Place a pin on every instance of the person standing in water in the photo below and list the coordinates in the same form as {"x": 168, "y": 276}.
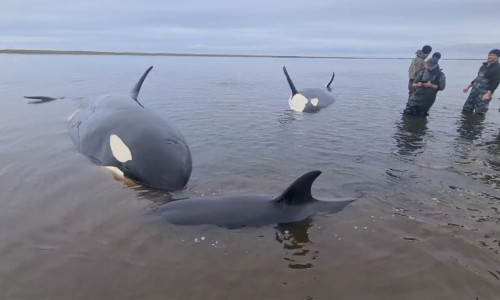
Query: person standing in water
{"x": 417, "y": 65}
{"x": 426, "y": 85}
{"x": 484, "y": 85}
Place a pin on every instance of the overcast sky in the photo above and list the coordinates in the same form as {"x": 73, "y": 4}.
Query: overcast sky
{"x": 456, "y": 28}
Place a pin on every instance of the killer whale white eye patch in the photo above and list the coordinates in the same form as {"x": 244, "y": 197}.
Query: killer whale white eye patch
{"x": 120, "y": 151}
{"x": 298, "y": 102}
{"x": 314, "y": 101}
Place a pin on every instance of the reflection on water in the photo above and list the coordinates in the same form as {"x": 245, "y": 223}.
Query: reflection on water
{"x": 470, "y": 126}
{"x": 493, "y": 162}
{"x": 295, "y": 240}
{"x": 494, "y": 145}
{"x": 410, "y": 134}
{"x": 289, "y": 116}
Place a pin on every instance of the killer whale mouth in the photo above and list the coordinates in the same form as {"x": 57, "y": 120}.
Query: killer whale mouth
{"x": 174, "y": 181}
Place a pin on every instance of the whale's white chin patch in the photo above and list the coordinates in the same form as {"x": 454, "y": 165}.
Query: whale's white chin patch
{"x": 120, "y": 151}
{"x": 298, "y": 102}
{"x": 314, "y": 101}
{"x": 118, "y": 175}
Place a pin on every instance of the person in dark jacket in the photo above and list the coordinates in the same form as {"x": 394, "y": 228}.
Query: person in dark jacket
{"x": 426, "y": 85}
{"x": 484, "y": 85}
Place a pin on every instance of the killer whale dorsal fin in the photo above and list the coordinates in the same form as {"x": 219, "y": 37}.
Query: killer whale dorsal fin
{"x": 138, "y": 85}
{"x": 330, "y": 82}
{"x": 290, "y": 82}
{"x": 299, "y": 192}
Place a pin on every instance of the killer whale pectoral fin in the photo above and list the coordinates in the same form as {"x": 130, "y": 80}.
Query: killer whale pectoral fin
{"x": 330, "y": 82}
{"x": 41, "y": 99}
{"x": 299, "y": 192}
{"x": 290, "y": 82}
{"x": 135, "y": 91}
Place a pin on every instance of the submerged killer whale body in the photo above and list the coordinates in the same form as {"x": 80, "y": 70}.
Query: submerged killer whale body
{"x": 309, "y": 100}
{"x": 119, "y": 133}
{"x": 294, "y": 204}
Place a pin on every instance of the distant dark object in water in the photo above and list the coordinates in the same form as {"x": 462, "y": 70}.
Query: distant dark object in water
{"x": 309, "y": 100}
{"x": 294, "y": 204}
{"x": 119, "y": 133}
{"x": 41, "y": 99}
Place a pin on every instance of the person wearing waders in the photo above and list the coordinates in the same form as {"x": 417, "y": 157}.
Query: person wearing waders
{"x": 484, "y": 85}
{"x": 417, "y": 65}
{"x": 426, "y": 86}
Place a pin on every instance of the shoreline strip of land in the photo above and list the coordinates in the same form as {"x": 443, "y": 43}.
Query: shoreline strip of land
{"x": 82, "y": 52}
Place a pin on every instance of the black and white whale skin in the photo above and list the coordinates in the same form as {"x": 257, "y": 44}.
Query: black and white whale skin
{"x": 309, "y": 100}
{"x": 117, "y": 132}
{"x": 293, "y": 205}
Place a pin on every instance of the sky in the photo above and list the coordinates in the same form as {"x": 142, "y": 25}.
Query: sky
{"x": 387, "y": 28}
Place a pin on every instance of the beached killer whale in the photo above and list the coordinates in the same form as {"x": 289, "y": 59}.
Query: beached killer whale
{"x": 119, "y": 133}
{"x": 309, "y": 100}
{"x": 295, "y": 204}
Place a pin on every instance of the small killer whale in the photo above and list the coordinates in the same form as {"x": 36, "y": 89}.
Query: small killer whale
{"x": 117, "y": 132}
{"x": 309, "y": 100}
{"x": 293, "y": 205}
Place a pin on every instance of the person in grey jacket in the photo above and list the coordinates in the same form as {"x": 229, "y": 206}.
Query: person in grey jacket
{"x": 426, "y": 86}
{"x": 417, "y": 65}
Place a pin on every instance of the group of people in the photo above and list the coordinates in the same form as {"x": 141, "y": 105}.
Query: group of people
{"x": 426, "y": 78}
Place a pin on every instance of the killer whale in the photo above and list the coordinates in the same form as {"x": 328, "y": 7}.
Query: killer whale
{"x": 293, "y": 205}
{"x": 309, "y": 100}
{"x": 118, "y": 132}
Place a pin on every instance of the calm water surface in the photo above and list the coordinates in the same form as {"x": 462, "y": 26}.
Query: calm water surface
{"x": 426, "y": 226}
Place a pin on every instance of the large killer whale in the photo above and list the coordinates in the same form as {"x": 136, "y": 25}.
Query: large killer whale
{"x": 309, "y": 100}
{"x": 118, "y": 132}
{"x": 293, "y": 205}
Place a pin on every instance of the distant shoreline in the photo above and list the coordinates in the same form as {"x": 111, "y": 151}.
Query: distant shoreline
{"x": 60, "y": 52}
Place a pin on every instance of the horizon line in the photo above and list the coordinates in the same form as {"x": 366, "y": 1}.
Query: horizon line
{"x": 132, "y": 53}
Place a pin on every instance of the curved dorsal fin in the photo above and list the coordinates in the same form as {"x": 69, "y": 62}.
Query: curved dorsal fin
{"x": 328, "y": 85}
{"x": 294, "y": 90}
{"x": 137, "y": 87}
{"x": 299, "y": 192}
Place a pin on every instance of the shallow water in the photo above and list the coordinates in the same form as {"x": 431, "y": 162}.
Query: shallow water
{"x": 426, "y": 226}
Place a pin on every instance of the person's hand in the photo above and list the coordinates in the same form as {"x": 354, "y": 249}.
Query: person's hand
{"x": 466, "y": 90}
{"x": 430, "y": 85}
{"x": 487, "y": 96}
{"x": 418, "y": 84}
